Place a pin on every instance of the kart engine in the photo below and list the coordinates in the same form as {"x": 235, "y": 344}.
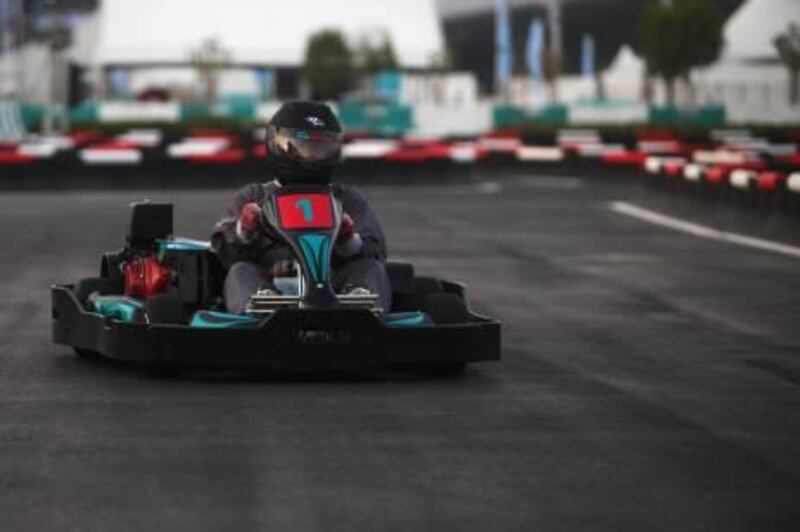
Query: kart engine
{"x": 145, "y": 276}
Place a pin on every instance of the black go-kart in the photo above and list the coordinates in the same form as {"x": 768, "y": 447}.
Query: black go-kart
{"x": 158, "y": 302}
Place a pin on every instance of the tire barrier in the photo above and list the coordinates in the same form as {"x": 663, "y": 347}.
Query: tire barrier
{"x": 745, "y": 165}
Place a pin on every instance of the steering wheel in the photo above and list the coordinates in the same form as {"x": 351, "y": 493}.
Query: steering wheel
{"x": 307, "y": 218}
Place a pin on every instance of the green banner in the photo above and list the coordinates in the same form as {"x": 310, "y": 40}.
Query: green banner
{"x": 382, "y": 118}
{"x": 508, "y": 116}
{"x": 709, "y": 116}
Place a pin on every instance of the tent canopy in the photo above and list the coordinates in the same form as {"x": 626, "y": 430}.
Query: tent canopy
{"x": 751, "y": 29}
{"x": 626, "y": 65}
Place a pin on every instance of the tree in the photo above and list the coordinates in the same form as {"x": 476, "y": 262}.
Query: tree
{"x": 679, "y": 36}
{"x": 375, "y": 53}
{"x": 328, "y": 66}
{"x": 788, "y": 45}
{"x": 208, "y": 59}
{"x": 551, "y": 70}
{"x": 441, "y": 61}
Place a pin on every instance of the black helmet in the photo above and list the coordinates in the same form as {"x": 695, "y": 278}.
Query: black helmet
{"x": 304, "y": 140}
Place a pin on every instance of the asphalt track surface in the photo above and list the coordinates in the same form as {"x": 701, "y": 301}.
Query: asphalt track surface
{"x": 650, "y": 381}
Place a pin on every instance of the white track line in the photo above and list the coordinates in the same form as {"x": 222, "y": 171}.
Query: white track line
{"x": 702, "y": 231}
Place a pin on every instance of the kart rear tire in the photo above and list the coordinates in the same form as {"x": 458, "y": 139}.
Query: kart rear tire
{"x": 447, "y": 370}
{"x": 87, "y": 354}
{"x": 165, "y": 309}
{"x": 443, "y": 370}
{"x": 102, "y": 285}
{"x": 446, "y": 309}
{"x": 164, "y": 371}
{"x": 425, "y": 286}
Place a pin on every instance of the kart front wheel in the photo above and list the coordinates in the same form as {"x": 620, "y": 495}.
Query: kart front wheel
{"x": 441, "y": 370}
{"x": 164, "y": 371}
{"x": 87, "y": 354}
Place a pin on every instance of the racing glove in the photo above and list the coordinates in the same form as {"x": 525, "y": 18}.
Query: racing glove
{"x": 249, "y": 222}
{"x": 348, "y": 241}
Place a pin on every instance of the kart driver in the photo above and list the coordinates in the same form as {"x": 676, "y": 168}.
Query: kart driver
{"x": 304, "y": 141}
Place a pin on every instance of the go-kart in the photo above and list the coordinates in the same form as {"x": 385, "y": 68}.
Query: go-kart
{"x": 158, "y": 301}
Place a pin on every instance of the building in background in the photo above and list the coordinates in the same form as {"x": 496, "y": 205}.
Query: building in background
{"x": 42, "y": 16}
{"x": 34, "y": 59}
{"x": 469, "y": 25}
{"x": 107, "y": 54}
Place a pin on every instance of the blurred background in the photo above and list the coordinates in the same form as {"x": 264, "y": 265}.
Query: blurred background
{"x": 616, "y": 181}
{"x": 118, "y": 75}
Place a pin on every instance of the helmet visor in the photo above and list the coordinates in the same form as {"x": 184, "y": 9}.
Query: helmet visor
{"x": 308, "y": 145}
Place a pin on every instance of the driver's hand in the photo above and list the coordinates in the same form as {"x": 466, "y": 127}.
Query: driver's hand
{"x": 346, "y": 229}
{"x": 348, "y": 242}
{"x": 249, "y": 222}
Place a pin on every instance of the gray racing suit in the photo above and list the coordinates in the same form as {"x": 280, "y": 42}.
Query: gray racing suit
{"x": 248, "y": 262}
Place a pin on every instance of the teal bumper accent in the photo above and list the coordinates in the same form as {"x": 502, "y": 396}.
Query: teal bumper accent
{"x": 407, "y": 319}
{"x": 210, "y": 319}
{"x": 120, "y": 308}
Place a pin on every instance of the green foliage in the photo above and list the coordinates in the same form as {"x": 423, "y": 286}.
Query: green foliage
{"x": 788, "y": 46}
{"x": 376, "y": 54}
{"x": 678, "y": 37}
{"x": 209, "y": 58}
{"x": 328, "y": 66}
{"x": 441, "y": 61}
{"x": 551, "y": 64}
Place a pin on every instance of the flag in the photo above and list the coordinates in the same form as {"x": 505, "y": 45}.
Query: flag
{"x": 504, "y": 53}
{"x": 533, "y": 52}
{"x": 587, "y": 56}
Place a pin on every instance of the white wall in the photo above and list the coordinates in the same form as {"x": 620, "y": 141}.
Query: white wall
{"x": 624, "y": 113}
{"x": 139, "y": 111}
{"x": 439, "y": 120}
{"x": 459, "y": 89}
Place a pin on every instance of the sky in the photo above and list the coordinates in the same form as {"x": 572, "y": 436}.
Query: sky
{"x": 266, "y": 30}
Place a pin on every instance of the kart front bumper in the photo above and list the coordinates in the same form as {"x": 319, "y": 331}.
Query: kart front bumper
{"x": 289, "y": 340}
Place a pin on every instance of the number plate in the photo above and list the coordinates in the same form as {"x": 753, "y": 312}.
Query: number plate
{"x": 305, "y": 211}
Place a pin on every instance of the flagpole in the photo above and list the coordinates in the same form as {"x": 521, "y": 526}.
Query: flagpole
{"x": 504, "y": 53}
{"x": 554, "y": 19}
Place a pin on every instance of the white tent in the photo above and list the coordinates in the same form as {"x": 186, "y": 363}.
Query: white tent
{"x": 255, "y": 31}
{"x": 626, "y": 66}
{"x": 751, "y": 29}
{"x": 623, "y": 78}
{"x": 749, "y": 78}
{"x": 749, "y": 50}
